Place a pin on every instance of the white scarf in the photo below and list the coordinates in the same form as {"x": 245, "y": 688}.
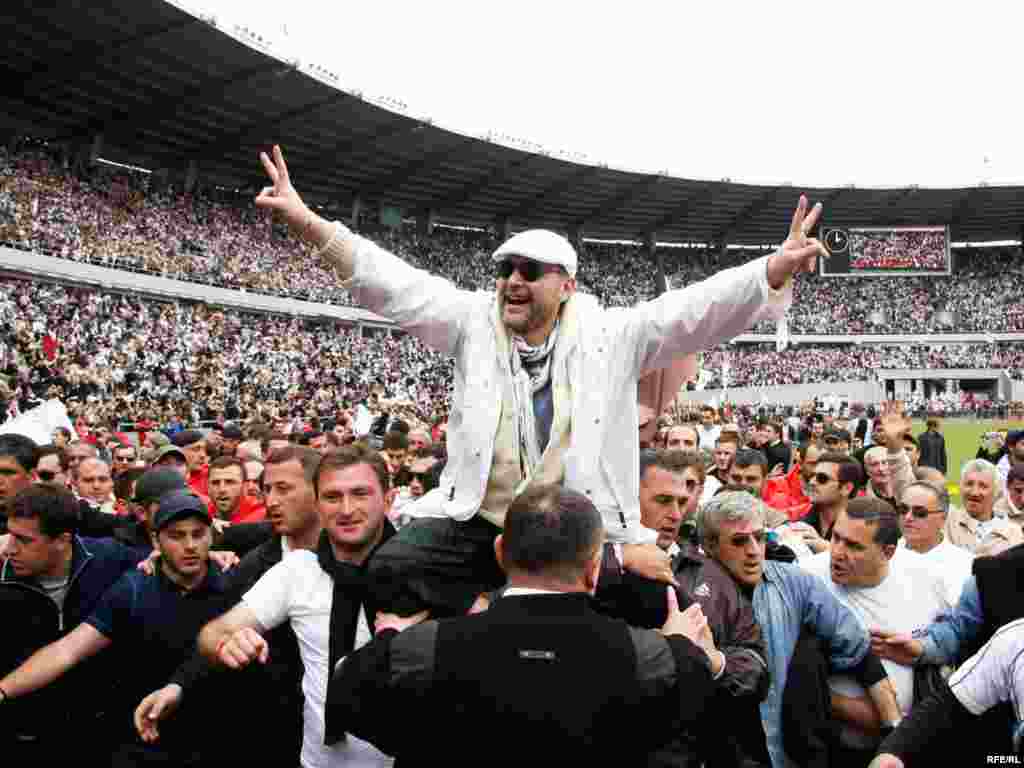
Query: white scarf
{"x": 531, "y": 372}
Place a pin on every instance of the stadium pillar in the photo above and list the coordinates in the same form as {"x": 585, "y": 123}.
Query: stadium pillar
{"x": 425, "y": 221}
{"x": 357, "y": 204}
{"x": 96, "y": 149}
{"x": 191, "y": 173}
{"x": 576, "y": 238}
{"x": 502, "y": 228}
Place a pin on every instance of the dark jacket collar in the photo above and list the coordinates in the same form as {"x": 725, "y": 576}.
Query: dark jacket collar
{"x": 80, "y": 557}
{"x": 214, "y": 583}
{"x": 555, "y": 604}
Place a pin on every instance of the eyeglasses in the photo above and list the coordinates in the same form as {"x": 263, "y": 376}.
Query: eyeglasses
{"x": 529, "y": 270}
{"x": 421, "y": 476}
{"x": 919, "y": 512}
{"x": 46, "y": 475}
{"x": 821, "y": 478}
{"x": 742, "y": 539}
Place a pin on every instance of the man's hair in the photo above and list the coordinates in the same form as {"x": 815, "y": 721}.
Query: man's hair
{"x": 52, "y": 450}
{"x": 64, "y": 431}
{"x": 674, "y": 461}
{"x": 350, "y": 456}
{"x": 931, "y": 476}
{"x": 727, "y": 506}
{"x": 691, "y": 427}
{"x": 987, "y": 468}
{"x": 879, "y": 514}
{"x": 55, "y": 508}
{"x": 728, "y": 437}
{"x": 268, "y": 438}
{"x": 552, "y": 531}
{"x": 849, "y": 469}
{"x": 395, "y": 441}
{"x": 125, "y": 480}
{"x": 750, "y": 457}
{"x": 773, "y": 426}
{"x": 20, "y": 448}
{"x": 940, "y": 493}
{"x": 307, "y": 457}
{"x": 223, "y": 462}
{"x": 706, "y": 408}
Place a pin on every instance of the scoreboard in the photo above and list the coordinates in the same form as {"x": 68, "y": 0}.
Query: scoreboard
{"x": 866, "y": 251}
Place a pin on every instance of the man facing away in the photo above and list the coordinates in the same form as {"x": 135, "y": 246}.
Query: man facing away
{"x": 528, "y": 666}
{"x": 545, "y": 382}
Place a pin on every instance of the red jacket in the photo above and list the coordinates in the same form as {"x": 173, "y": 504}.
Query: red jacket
{"x": 785, "y": 493}
{"x": 250, "y": 510}
{"x": 199, "y": 480}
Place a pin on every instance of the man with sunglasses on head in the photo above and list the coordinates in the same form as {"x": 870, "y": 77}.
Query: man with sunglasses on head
{"x": 545, "y": 383}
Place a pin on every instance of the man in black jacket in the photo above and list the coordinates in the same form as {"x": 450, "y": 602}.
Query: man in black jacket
{"x": 562, "y": 683}
{"x": 933, "y": 447}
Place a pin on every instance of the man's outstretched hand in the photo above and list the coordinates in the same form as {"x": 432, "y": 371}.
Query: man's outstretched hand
{"x": 282, "y": 198}
{"x": 800, "y": 251}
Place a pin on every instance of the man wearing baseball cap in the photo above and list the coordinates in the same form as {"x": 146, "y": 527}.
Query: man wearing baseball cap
{"x": 151, "y": 622}
{"x": 545, "y": 382}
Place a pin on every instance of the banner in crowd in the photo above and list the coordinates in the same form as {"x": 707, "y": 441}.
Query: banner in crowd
{"x": 40, "y": 422}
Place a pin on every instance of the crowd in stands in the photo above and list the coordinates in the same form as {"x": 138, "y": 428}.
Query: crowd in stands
{"x": 916, "y": 250}
{"x": 112, "y": 356}
{"x": 761, "y": 365}
{"x": 126, "y": 220}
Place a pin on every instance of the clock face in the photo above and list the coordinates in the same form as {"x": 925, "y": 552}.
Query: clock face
{"x": 836, "y": 240}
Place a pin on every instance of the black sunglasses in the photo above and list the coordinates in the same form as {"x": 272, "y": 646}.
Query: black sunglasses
{"x": 530, "y": 271}
{"x": 421, "y": 476}
{"x": 919, "y": 512}
{"x": 46, "y": 475}
{"x": 821, "y": 478}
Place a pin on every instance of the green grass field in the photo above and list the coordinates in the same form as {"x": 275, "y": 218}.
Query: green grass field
{"x": 963, "y": 438}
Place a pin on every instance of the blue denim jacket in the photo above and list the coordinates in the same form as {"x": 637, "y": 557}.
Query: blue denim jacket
{"x": 951, "y": 632}
{"x": 788, "y": 598}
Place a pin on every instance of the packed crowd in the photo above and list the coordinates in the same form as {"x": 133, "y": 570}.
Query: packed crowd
{"x": 114, "y": 218}
{"x": 343, "y": 569}
{"x": 915, "y": 250}
{"x": 117, "y": 357}
{"x": 757, "y": 365}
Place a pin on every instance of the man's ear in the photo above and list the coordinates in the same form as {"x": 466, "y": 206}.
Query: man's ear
{"x": 888, "y": 551}
{"x": 499, "y": 552}
{"x": 568, "y": 289}
{"x": 389, "y": 498}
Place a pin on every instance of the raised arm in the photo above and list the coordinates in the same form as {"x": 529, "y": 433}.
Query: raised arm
{"x": 235, "y": 639}
{"x": 715, "y": 310}
{"x": 50, "y": 662}
{"x": 427, "y": 306}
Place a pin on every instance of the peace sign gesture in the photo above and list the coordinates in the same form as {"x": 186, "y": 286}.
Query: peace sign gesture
{"x": 799, "y": 252}
{"x": 282, "y": 197}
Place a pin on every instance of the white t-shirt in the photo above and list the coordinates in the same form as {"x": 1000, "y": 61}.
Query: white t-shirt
{"x": 298, "y": 589}
{"x": 907, "y": 600}
{"x": 708, "y": 437}
{"x": 711, "y": 486}
{"x": 994, "y": 674}
{"x": 953, "y": 565}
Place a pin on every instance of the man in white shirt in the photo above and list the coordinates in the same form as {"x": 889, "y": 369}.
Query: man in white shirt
{"x": 922, "y": 510}
{"x": 992, "y": 676}
{"x": 325, "y": 596}
{"x": 709, "y": 432}
{"x": 895, "y": 593}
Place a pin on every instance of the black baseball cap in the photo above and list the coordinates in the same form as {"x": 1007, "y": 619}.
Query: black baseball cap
{"x": 1014, "y": 436}
{"x": 232, "y": 432}
{"x": 167, "y": 449}
{"x": 188, "y": 437}
{"x": 179, "y": 505}
{"x": 155, "y": 482}
{"x": 837, "y": 435}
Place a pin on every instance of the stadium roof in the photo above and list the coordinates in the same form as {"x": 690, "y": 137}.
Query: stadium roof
{"x": 165, "y": 89}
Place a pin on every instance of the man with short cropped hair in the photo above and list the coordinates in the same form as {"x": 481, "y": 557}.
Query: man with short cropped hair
{"x": 151, "y": 622}
{"x": 123, "y": 458}
{"x": 50, "y": 581}
{"x": 540, "y": 635}
{"x": 832, "y": 486}
{"x": 193, "y": 445}
{"x": 709, "y": 431}
{"x": 350, "y": 486}
{"x": 683, "y": 437}
{"x": 96, "y": 485}
{"x": 226, "y": 481}
{"x": 901, "y": 592}
{"x": 52, "y": 467}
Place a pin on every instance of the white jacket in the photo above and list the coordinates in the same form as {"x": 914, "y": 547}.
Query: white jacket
{"x": 614, "y": 347}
